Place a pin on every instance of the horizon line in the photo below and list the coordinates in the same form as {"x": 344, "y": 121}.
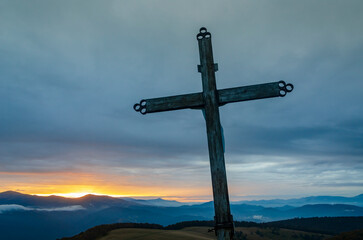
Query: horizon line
{"x": 180, "y": 199}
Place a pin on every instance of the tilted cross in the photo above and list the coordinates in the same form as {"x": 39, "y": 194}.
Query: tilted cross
{"x": 209, "y": 101}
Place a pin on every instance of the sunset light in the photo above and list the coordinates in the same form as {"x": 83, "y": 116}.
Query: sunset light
{"x": 168, "y": 112}
{"x": 70, "y": 195}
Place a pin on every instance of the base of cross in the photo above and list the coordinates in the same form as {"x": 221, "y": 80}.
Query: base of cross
{"x": 224, "y": 230}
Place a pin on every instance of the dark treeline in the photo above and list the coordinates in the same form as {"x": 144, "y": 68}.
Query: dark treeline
{"x": 323, "y": 225}
{"x": 354, "y": 235}
{"x": 182, "y": 225}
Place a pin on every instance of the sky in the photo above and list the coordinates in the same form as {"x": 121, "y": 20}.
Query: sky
{"x": 71, "y": 71}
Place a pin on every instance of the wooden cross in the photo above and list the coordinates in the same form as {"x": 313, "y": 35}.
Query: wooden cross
{"x": 209, "y": 101}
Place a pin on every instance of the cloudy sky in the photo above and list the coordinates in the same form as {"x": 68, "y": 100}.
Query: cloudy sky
{"x": 70, "y": 72}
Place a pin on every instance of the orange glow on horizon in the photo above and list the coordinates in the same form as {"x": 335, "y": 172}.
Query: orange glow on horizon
{"x": 73, "y": 194}
{"x": 75, "y": 185}
{"x": 82, "y": 194}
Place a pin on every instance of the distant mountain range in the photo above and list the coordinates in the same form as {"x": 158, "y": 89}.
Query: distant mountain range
{"x": 23, "y": 216}
{"x": 158, "y": 202}
{"x": 297, "y": 202}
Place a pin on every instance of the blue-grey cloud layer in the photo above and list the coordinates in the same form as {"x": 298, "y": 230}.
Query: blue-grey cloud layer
{"x": 70, "y": 73}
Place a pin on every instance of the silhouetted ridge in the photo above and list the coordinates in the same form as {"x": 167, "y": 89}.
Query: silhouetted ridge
{"x": 11, "y": 193}
{"x": 87, "y": 201}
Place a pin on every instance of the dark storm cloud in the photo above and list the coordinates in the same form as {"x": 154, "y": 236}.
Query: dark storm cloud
{"x": 71, "y": 72}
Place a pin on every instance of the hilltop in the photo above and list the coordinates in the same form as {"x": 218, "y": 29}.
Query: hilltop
{"x": 302, "y": 228}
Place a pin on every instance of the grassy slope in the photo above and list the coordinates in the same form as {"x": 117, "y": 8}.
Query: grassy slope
{"x": 201, "y": 233}
{"x": 197, "y": 233}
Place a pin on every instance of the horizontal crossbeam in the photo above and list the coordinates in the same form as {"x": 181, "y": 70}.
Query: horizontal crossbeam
{"x": 228, "y": 95}
{"x": 253, "y": 92}
{"x": 194, "y": 100}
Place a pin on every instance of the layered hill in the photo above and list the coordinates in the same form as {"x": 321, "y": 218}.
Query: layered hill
{"x": 24, "y": 215}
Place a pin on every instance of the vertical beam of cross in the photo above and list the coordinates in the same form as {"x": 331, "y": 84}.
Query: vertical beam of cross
{"x": 223, "y": 217}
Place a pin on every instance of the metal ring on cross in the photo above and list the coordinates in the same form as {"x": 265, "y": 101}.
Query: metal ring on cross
{"x": 289, "y": 87}
{"x": 285, "y": 88}
{"x": 203, "y": 33}
{"x": 140, "y": 107}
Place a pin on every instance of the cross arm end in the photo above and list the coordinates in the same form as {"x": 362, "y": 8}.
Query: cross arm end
{"x": 285, "y": 88}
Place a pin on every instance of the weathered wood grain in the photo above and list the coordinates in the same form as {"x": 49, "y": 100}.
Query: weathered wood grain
{"x": 246, "y": 93}
{"x": 223, "y": 218}
{"x": 194, "y": 100}
{"x": 228, "y": 95}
